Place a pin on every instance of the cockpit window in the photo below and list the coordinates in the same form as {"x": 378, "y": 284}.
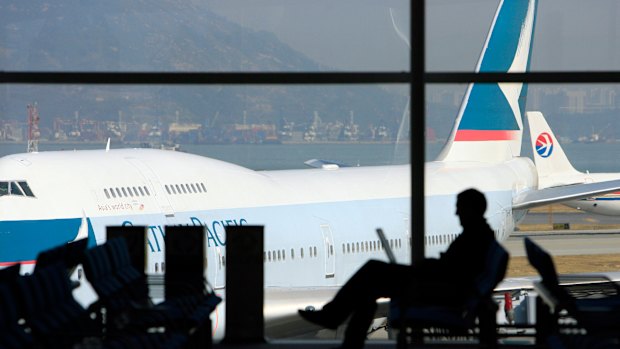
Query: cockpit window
{"x": 26, "y": 188}
{"x": 4, "y": 188}
{"x": 16, "y": 188}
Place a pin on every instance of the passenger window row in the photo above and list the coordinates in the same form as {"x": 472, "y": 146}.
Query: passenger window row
{"x": 191, "y": 188}
{"x": 17, "y": 188}
{"x": 440, "y": 239}
{"x": 280, "y": 255}
{"x": 163, "y": 267}
{"x": 126, "y": 192}
{"x": 369, "y": 246}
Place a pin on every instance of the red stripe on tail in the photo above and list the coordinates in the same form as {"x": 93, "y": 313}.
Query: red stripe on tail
{"x": 484, "y": 135}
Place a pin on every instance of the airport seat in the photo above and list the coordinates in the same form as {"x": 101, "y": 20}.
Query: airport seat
{"x": 185, "y": 283}
{"x": 50, "y": 311}
{"x": 12, "y": 334}
{"x": 174, "y": 311}
{"x": 476, "y": 317}
{"x": 557, "y": 309}
{"x": 56, "y": 320}
{"x": 98, "y": 271}
{"x": 123, "y": 291}
{"x": 70, "y": 254}
{"x": 133, "y": 280}
{"x": 9, "y": 276}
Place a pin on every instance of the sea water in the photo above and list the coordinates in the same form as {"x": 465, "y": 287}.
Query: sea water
{"x": 593, "y": 157}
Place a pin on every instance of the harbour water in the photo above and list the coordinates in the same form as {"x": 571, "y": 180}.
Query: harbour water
{"x": 593, "y": 157}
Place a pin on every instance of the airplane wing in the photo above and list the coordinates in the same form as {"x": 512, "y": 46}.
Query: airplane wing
{"x": 540, "y": 197}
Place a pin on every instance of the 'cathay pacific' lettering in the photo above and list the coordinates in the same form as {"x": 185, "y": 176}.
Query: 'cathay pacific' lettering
{"x": 215, "y": 231}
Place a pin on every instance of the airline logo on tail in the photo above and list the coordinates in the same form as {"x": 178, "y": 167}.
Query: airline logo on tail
{"x": 544, "y": 145}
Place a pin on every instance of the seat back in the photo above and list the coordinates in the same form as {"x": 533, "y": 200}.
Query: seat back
{"x": 12, "y": 334}
{"x": 70, "y": 254}
{"x": 9, "y": 311}
{"x": 543, "y": 263}
{"x": 8, "y": 308}
{"x": 99, "y": 272}
{"x": 133, "y": 281}
{"x": 10, "y": 274}
{"x": 51, "y": 311}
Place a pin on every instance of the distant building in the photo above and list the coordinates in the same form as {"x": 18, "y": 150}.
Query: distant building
{"x": 184, "y": 132}
{"x": 13, "y": 131}
{"x": 576, "y": 101}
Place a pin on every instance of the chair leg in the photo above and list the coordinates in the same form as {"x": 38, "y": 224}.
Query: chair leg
{"x": 546, "y": 323}
{"x": 401, "y": 338}
{"x": 488, "y": 328}
{"x": 417, "y": 336}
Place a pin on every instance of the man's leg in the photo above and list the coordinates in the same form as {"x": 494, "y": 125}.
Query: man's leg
{"x": 373, "y": 280}
{"x": 357, "y": 329}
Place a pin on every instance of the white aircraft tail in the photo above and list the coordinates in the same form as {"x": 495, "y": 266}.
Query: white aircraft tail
{"x": 551, "y": 162}
{"x": 489, "y": 126}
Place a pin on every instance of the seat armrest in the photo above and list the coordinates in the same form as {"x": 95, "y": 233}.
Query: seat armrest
{"x": 590, "y": 279}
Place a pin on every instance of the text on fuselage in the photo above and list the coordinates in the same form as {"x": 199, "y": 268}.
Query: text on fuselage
{"x": 215, "y": 231}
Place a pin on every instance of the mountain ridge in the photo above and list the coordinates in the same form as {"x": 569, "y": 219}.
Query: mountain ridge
{"x": 166, "y": 36}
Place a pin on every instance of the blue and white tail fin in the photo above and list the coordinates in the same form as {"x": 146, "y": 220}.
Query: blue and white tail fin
{"x": 489, "y": 126}
{"x": 552, "y": 165}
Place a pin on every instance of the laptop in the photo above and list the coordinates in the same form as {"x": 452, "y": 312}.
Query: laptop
{"x": 386, "y": 245}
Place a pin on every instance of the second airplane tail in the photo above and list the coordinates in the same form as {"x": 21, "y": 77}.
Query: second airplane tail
{"x": 489, "y": 126}
{"x": 552, "y": 165}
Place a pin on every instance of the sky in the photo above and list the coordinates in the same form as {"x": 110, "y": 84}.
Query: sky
{"x": 359, "y": 35}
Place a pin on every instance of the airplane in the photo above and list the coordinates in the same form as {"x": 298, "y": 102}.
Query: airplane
{"x": 554, "y": 169}
{"x": 319, "y": 223}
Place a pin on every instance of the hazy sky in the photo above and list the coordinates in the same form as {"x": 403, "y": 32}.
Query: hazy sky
{"x": 346, "y": 34}
{"x": 358, "y": 34}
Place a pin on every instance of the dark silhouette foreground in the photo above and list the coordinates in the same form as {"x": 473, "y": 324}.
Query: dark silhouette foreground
{"x": 442, "y": 281}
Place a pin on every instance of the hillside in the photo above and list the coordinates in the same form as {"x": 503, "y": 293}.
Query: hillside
{"x": 173, "y": 35}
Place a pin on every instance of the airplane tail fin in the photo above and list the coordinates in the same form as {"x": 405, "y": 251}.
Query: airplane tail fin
{"x": 551, "y": 162}
{"x": 489, "y": 126}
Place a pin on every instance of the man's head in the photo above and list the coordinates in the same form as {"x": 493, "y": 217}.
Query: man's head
{"x": 470, "y": 205}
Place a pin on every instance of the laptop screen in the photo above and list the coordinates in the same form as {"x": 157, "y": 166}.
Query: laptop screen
{"x": 386, "y": 245}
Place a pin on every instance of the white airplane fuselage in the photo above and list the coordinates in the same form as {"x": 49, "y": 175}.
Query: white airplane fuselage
{"x": 302, "y": 210}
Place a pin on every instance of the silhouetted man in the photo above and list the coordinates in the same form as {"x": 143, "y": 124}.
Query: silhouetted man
{"x": 432, "y": 281}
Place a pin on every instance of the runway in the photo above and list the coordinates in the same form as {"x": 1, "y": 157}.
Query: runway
{"x": 575, "y": 218}
{"x": 590, "y": 234}
{"x": 585, "y": 242}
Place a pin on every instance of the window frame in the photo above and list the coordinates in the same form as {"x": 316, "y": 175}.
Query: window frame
{"x": 416, "y": 77}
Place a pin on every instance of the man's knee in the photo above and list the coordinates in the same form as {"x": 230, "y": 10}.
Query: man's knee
{"x": 374, "y": 265}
